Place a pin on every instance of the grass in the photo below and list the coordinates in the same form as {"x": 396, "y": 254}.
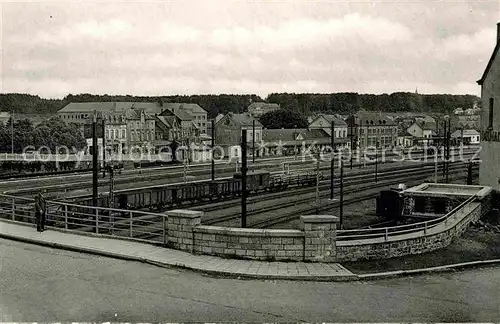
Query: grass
{"x": 473, "y": 245}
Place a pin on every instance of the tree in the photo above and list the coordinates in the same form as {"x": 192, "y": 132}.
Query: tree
{"x": 283, "y": 118}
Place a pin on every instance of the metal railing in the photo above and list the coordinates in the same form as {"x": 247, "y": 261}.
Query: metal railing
{"x": 143, "y": 226}
{"x": 392, "y": 231}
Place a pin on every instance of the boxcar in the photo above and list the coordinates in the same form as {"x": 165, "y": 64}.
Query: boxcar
{"x": 257, "y": 180}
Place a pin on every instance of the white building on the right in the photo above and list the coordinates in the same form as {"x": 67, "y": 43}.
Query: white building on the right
{"x": 489, "y": 172}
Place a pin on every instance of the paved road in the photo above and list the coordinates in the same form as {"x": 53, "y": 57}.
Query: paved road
{"x": 42, "y": 284}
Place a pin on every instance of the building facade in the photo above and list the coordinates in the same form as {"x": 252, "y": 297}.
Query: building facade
{"x": 324, "y": 122}
{"x": 229, "y": 128}
{"x": 370, "y": 129}
{"x": 136, "y": 124}
{"x": 489, "y": 172}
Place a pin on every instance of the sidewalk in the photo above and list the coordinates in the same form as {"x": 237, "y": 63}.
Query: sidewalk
{"x": 160, "y": 256}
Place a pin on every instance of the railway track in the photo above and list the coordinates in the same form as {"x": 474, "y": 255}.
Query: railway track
{"x": 266, "y": 216}
{"x": 275, "y": 203}
{"x": 73, "y": 186}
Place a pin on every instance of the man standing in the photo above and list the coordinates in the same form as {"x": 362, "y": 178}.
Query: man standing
{"x": 40, "y": 206}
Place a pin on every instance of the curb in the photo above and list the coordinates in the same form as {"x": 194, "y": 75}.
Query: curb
{"x": 445, "y": 268}
{"x": 226, "y": 274}
{"x": 215, "y": 273}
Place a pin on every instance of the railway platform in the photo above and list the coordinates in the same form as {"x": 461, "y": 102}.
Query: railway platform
{"x": 165, "y": 257}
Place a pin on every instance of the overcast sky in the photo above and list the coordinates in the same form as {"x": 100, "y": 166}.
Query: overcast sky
{"x": 199, "y": 47}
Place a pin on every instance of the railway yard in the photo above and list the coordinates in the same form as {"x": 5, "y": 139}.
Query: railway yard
{"x": 270, "y": 205}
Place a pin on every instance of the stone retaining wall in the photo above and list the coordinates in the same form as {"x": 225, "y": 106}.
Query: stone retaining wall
{"x": 260, "y": 244}
{"x": 415, "y": 243}
{"x": 315, "y": 242}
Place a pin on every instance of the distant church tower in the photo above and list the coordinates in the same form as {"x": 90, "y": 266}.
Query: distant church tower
{"x": 416, "y": 90}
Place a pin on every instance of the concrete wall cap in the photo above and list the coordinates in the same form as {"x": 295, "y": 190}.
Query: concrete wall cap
{"x": 186, "y": 213}
{"x": 254, "y": 232}
{"x": 319, "y": 219}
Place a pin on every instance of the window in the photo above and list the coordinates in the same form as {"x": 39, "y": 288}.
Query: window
{"x": 123, "y": 133}
{"x": 490, "y": 120}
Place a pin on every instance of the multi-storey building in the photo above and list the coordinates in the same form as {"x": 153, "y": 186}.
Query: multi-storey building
{"x": 370, "y": 129}
{"x": 198, "y": 115}
{"x": 489, "y": 172}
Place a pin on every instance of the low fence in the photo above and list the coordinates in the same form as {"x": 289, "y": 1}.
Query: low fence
{"x": 410, "y": 239}
{"x": 388, "y": 233}
{"x": 318, "y": 240}
{"x": 137, "y": 225}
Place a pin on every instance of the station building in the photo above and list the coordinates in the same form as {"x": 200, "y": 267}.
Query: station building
{"x": 489, "y": 172}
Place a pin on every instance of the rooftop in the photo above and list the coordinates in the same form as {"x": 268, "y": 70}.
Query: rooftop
{"x": 440, "y": 189}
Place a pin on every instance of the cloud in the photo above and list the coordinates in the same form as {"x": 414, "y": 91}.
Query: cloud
{"x": 150, "y": 48}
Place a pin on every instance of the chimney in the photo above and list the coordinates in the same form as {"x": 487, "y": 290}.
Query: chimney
{"x": 498, "y": 32}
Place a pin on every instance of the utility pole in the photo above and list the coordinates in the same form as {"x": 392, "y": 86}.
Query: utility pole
{"x": 244, "y": 179}
{"x": 103, "y": 147}
{"x": 333, "y": 160}
{"x": 95, "y": 168}
{"x": 366, "y": 143}
{"x": 12, "y": 134}
{"x": 111, "y": 196}
{"x": 445, "y": 136}
{"x": 341, "y": 213}
{"x": 448, "y": 151}
{"x": 352, "y": 137}
{"x": 317, "y": 182}
{"x": 253, "y": 141}
{"x": 469, "y": 173}
{"x": 376, "y": 161}
{"x": 213, "y": 145}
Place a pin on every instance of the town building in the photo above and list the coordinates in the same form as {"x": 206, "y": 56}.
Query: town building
{"x": 198, "y": 114}
{"x": 138, "y": 124}
{"x": 4, "y": 117}
{"x": 279, "y": 142}
{"x": 467, "y": 136}
{"x": 369, "y": 129}
{"x": 489, "y": 172}
{"x": 422, "y": 132}
{"x": 257, "y": 109}
{"x": 229, "y": 128}
{"x": 324, "y": 122}
{"x": 404, "y": 139}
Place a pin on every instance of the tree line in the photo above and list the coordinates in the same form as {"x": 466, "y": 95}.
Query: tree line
{"x": 346, "y": 103}
{"x": 52, "y": 133}
{"x": 303, "y": 103}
